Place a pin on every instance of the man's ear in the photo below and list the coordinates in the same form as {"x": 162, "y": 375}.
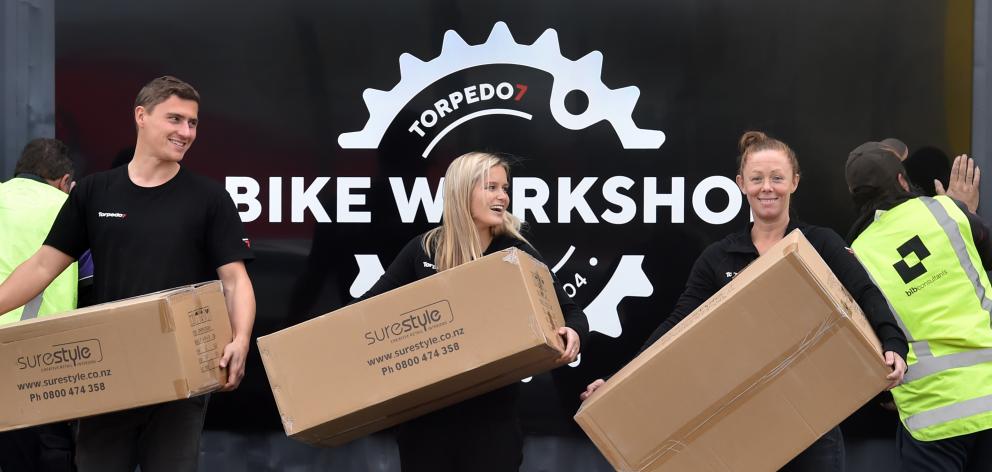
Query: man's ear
{"x": 902, "y": 182}
{"x": 65, "y": 183}
{"x": 139, "y": 116}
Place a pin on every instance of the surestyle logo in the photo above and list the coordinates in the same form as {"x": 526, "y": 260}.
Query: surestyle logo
{"x": 64, "y": 355}
{"x": 412, "y": 323}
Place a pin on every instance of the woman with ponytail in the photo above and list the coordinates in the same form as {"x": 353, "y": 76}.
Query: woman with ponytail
{"x": 768, "y": 174}
{"x": 482, "y": 433}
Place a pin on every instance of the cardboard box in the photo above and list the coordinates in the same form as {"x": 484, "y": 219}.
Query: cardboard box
{"x": 415, "y": 349}
{"x": 144, "y": 350}
{"x": 776, "y": 358}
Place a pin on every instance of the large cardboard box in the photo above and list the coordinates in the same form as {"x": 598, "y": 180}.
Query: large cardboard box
{"x": 746, "y": 382}
{"x": 144, "y": 350}
{"x": 415, "y": 349}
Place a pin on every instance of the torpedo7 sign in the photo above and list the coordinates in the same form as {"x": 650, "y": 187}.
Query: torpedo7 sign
{"x": 614, "y": 106}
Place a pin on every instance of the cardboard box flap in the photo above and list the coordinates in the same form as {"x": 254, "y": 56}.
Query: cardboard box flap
{"x": 200, "y": 334}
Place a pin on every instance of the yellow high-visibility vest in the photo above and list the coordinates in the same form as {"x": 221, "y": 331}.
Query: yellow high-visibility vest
{"x": 27, "y": 210}
{"x": 922, "y": 256}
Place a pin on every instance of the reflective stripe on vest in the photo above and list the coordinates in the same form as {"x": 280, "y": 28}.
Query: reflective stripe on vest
{"x": 957, "y": 242}
{"x": 32, "y": 307}
{"x": 926, "y": 364}
{"x": 950, "y": 412}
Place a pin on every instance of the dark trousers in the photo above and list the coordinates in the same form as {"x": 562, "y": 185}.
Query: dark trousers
{"x": 968, "y": 453}
{"x": 45, "y": 448}
{"x": 484, "y": 446}
{"x": 824, "y": 455}
{"x": 160, "y": 438}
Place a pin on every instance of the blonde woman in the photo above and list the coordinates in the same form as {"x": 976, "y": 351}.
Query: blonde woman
{"x": 482, "y": 433}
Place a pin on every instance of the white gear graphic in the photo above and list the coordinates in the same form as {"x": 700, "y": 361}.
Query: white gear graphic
{"x": 628, "y": 280}
{"x": 614, "y": 106}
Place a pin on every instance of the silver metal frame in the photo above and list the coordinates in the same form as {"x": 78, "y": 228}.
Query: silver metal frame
{"x": 27, "y": 76}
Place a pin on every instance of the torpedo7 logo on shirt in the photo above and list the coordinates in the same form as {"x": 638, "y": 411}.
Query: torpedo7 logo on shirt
{"x": 114, "y": 215}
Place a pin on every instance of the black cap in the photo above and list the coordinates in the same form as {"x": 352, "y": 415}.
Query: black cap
{"x": 873, "y": 165}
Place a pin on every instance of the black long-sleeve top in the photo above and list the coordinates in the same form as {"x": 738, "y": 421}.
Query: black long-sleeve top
{"x": 722, "y": 260}
{"x": 412, "y": 264}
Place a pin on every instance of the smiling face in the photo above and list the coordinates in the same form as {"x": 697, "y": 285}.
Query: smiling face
{"x": 168, "y": 129}
{"x": 490, "y": 199}
{"x": 768, "y": 180}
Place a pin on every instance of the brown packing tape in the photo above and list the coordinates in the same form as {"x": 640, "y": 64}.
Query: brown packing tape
{"x": 206, "y": 389}
{"x": 287, "y": 424}
{"x": 165, "y": 316}
{"x": 182, "y": 388}
{"x": 738, "y": 397}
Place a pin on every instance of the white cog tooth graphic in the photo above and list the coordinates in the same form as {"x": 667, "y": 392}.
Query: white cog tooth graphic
{"x": 452, "y": 43}
{"x": 629, "y": 280}
{"x": 614, "y": 106}
{"x": 369, "y": 271}
{"x": 500, "y": 35}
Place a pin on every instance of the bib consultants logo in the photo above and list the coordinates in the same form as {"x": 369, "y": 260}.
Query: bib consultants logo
{"x": 913, "y": 251}
{"x": 910, "y": 267}
{"x": 614, "y": 106}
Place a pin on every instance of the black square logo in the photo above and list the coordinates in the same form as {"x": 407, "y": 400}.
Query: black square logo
{"x": 912, "y": 252}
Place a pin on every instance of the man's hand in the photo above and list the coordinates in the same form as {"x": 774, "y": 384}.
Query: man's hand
{"x": 571, "y": 339}
{"x": 898, "y": 366}
{"x": 240, "y": 298}
{"x": 233, "y": 360}
{"x": 963, "y": 183}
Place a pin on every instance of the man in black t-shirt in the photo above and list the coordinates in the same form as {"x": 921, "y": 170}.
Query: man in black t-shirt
{"x": 151, "y": 225}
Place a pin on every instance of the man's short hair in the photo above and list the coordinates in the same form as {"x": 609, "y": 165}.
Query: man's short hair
{"x": 160, "y": 89}
{"x": 45, "y": 157}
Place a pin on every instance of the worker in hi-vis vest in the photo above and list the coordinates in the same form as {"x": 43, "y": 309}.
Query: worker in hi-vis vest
{"x": 929, "y": 256}
{"x": 29, "y": 203}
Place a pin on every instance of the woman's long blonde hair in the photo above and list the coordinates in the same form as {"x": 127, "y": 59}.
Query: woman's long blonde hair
{"x": 456, "y": 241}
